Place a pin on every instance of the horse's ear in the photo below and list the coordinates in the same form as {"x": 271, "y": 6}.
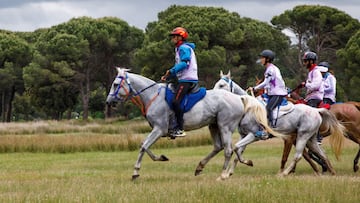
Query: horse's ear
{"x": 119, "y": 69}
{"x": 221, "y": 74}
{"x": 229, "y": 74}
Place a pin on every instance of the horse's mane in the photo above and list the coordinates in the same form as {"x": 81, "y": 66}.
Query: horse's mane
{"x": 128, "y": 70}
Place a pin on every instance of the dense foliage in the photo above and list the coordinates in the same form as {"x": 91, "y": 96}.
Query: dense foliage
{"x": 66, "y": 70}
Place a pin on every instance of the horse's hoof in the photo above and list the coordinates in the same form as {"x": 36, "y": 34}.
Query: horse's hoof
{"x": 220, "y": 178}
{"x": 163, "y": 158}
{"x": 280, "y": 175}
{"x": 197, "y": 172}
{"x": 250, "y": 163}
{"x": 356, "y": 168}
{"x": 134, "y": 177}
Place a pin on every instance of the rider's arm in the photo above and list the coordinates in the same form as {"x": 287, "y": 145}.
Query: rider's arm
{"x": 315, "y": 81}
{"x": 185, "y": 56}
{"x": 268, "y": 77}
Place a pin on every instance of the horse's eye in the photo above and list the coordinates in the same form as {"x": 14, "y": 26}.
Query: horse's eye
{"x": 116, "y": 86}
{"x": 221, "y": 86}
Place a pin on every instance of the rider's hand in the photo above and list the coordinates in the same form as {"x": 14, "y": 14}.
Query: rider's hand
{"x": 301, "y": 85}
{"x": 164, "y": 77}
{"x": 250, "y": 89}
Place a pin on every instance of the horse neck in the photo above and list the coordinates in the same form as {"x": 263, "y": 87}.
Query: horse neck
{"x": 141, "y": 86}
{"x": 238, "y": 90}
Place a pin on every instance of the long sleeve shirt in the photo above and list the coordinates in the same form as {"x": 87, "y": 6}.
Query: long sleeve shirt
{"x": 329, "y": 86}
{"x": 314, "y": 84}
{"x": 273, "y": 83}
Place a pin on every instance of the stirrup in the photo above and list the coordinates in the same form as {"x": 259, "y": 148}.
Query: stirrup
{"x": 261, "y": 135}
{"x": 177, "y": 133}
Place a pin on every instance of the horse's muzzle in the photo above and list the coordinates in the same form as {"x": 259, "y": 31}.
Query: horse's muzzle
{"x": 110, "y": 101}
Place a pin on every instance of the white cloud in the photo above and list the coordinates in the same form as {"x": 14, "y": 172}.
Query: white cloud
{"x": 28, "y": 15}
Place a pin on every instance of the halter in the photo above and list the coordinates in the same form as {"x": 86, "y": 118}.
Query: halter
{"x": 230, "y": 82}
{"x": 132, "y": 94}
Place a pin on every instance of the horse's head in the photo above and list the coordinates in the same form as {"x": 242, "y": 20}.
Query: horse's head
{"x": 120, "y": 88}
{"x": 224, "y": 82}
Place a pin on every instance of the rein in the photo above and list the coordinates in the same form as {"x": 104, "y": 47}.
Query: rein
{"x": 133, "y": 95}
{"x": 230, "y": 82}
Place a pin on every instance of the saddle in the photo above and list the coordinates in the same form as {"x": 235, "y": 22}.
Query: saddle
{"x": 195, "y": 95}
{"x": 321, "y": 104}
{"x": 282, "y": 109}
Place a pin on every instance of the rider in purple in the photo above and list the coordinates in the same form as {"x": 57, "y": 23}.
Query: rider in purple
{"x": 329, "y": 83}
{"x": 314, "y": 82}
{"x": 273, "y": 83}
{"x": 185, "y": 70}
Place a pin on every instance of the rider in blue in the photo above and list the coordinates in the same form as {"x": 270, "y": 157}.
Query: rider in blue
{"x": 185, "y": 70}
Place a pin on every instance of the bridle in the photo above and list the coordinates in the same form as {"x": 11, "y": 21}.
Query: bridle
{"x": 132, "y": 94}
{"x": 229, "y": 82}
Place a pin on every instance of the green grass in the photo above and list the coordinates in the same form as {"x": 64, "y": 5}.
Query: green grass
{"x": 74, "y": 161}
{"x": 106, "y": 177}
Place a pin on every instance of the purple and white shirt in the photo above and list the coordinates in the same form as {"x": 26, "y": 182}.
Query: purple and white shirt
{"x": 273, "y": 83}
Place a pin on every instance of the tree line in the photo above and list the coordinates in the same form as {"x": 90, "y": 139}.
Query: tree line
{"x": 66, "y": 70}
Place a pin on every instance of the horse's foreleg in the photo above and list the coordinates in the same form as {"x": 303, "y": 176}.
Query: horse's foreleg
{"x": 286, "y": 151}
{"x": 156, "y": 158}
{"x": 154, "y": 135}
{"x": 138, "y": 164}
{"x": 240, "y": 147}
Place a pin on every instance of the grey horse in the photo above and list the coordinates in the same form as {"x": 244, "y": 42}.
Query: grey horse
{"x": 220, "y": 110}
{"x": 302, "y": 123}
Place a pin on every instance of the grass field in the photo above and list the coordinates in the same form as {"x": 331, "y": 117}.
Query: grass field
{"x": 98, "y": 176}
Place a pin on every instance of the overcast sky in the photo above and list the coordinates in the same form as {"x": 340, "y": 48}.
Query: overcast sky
{"x": 29, "y": 15}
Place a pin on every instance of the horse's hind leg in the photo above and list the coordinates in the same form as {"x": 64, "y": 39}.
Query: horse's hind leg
{"x": 300, "y": 146}
{"x": 309, "y": 160}
{"x": 215, "y": 135}
{"x": 315, "y": 148}
{"x": 356, "y": 161}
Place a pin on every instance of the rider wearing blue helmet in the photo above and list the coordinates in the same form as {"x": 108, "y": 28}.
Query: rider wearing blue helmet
{"x": 273, "y": 83}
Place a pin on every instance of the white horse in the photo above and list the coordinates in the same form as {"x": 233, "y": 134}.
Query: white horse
{"x": 302, "y": 123}
{"x": 221, "y": 110}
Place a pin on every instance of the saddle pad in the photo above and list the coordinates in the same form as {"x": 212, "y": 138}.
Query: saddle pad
{"x": 188, "y": 101}
{"x": 283, "y": 110}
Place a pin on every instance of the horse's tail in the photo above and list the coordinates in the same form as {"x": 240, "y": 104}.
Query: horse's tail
{"x": 331, "y": 126}
{"x": 252, "y": 105}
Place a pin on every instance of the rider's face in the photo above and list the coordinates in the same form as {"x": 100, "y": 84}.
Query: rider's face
{"x": 175, "y": 38}
{"x": 263, "y": 60}
{"x": 306, "y": 63}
